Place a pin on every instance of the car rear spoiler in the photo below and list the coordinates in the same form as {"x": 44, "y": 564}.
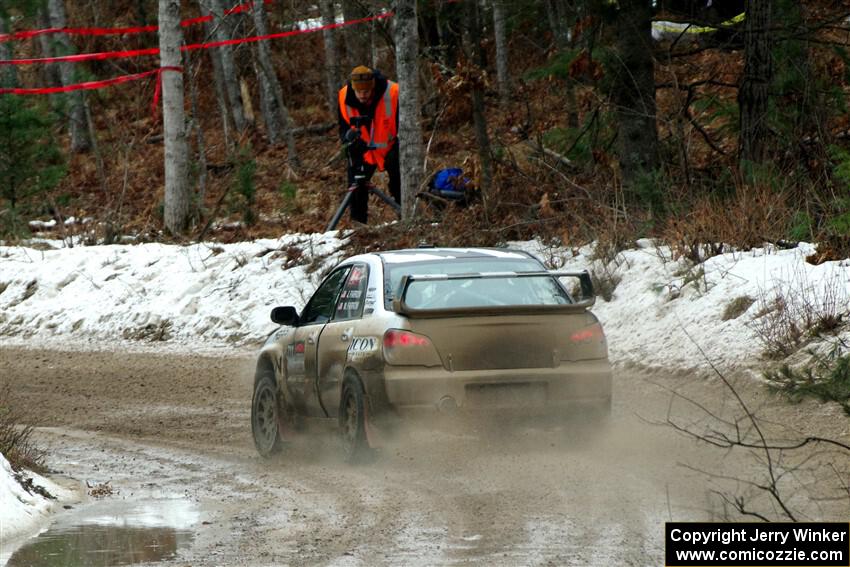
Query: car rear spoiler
{"x": 586, "y": 301}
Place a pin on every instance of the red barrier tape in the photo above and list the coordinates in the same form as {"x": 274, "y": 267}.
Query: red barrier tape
{"x": 121, "y": 31}
{"x": 91, "y": 85}
{"x": 155, "y": 50}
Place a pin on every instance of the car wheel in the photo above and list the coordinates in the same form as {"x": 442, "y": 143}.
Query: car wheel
{"x": 264, "y": 417}
{"x": 352, "y": 421}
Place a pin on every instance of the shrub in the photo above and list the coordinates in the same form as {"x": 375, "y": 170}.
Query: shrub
{"x": 797, "y": 312}
{"x": 827, "y": 379}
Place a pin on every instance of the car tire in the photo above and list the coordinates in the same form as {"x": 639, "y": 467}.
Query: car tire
{"x": 352, "y": 421}
{"x": 265, "y": 417}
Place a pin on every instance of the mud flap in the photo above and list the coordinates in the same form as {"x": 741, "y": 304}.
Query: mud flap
{"x": 284, "y": 427}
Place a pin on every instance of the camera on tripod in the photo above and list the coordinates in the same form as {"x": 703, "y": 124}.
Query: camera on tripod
{"x": 358, "y": 121}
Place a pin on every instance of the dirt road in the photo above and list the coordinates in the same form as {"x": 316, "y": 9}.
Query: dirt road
{"x": 174, "y": 432}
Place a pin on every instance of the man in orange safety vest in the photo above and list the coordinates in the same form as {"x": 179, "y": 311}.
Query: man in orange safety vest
{"x": 368, "y": 125}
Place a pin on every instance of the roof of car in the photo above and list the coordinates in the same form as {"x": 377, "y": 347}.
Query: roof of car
{"x": 427, "y": 254}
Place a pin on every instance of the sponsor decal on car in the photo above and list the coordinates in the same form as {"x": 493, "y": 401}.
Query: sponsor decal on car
{"x": 363, "y": 344}
{"x": 295, "y": 357}
{"x": 362, "y": 347}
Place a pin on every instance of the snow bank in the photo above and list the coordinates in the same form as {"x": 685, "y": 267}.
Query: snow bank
{"x": 220, "y": 294}
{"x": 670, "y": 313}
{"x": 23, "y": 512}
{"x": 663, "y": 312}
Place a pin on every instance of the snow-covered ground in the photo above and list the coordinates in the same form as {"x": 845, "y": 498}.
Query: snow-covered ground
{"x": 217, "y": 297}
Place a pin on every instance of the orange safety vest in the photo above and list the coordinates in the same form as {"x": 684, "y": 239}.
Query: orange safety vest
{"x": 383, "y": 131}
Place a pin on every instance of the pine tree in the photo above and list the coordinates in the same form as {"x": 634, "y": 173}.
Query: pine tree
{"x": 30, "y": 161}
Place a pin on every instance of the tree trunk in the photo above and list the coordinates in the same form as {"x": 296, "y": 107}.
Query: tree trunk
{"x": 753, "y": 95}
{"x": 555, "y": 15}
{"x": 230, "y": 76}
{"x": 411, "y": 153}
{"x": 502, "y": 75}
{"x": 200, "y": 139}
{"x": 78, "y": 125}
{"x": 358, "y": 39}
{"x": 271, "y": 96}
{"x": 51, "y": 70}
{"x": 332, "y": 73}
{"x": 8, "y": 74}
{"x": 220, "y": 92}
{"x": 634, "y": 94}
{"x": 177, "y": 195}
{"x": 218, "y": 76}
{"x": 473, "y": 46}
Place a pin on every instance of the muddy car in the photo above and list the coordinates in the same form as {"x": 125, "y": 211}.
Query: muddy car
{"x": 394, "y": 334}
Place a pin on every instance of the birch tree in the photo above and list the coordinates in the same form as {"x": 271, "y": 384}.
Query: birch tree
{"x": 332, "y": 73}
{"x": 229, "y": 74}
{"x": 177, "y": 194}
{"x": 271, "y": 95}
{"x": 411, "y": 153}
{"x": 502, "y": 75}
{"x": 77, "y": 123}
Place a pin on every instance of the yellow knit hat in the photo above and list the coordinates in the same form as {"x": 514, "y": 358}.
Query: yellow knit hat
{"x": 362, "y": 78}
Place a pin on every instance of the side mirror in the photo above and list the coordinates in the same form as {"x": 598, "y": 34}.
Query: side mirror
{"x": 285, "y": 316}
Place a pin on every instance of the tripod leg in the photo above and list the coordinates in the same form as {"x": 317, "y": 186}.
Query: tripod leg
{"x": 387, "y": 199}
{"x": 346, "y": 201}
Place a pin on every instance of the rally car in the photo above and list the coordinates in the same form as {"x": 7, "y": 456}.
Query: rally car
{"x": 431, "y": 330}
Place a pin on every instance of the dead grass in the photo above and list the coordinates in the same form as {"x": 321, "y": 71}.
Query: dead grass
{"x": 16, "y": 442}
{"x": 737, "y": 307}
{"x": 751, "y": 217}
{"x": 795, "y": 313}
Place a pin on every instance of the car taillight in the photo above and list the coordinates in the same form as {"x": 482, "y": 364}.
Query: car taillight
{"x": 404, "y": 348}
{"x": 393, "y": 338}
{"x": 589, "y": 334}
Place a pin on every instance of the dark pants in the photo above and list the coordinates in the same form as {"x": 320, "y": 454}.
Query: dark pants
{"x": 360, "y": 198}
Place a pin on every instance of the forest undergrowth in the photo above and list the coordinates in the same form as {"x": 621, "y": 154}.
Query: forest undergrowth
{"x": 555, "y": 173}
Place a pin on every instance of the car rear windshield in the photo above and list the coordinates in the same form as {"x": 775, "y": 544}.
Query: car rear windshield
{"x": 474, "y": 292}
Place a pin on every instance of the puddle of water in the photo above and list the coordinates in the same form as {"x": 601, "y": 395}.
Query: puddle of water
{"x": 112, "y": 533}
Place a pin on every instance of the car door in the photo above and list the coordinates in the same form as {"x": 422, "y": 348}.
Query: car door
{"x": 303, "y": 349}
{"x": 337, "y": 338}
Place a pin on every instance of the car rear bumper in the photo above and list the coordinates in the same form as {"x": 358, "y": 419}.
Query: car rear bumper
{"x": 529, "y": 390}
